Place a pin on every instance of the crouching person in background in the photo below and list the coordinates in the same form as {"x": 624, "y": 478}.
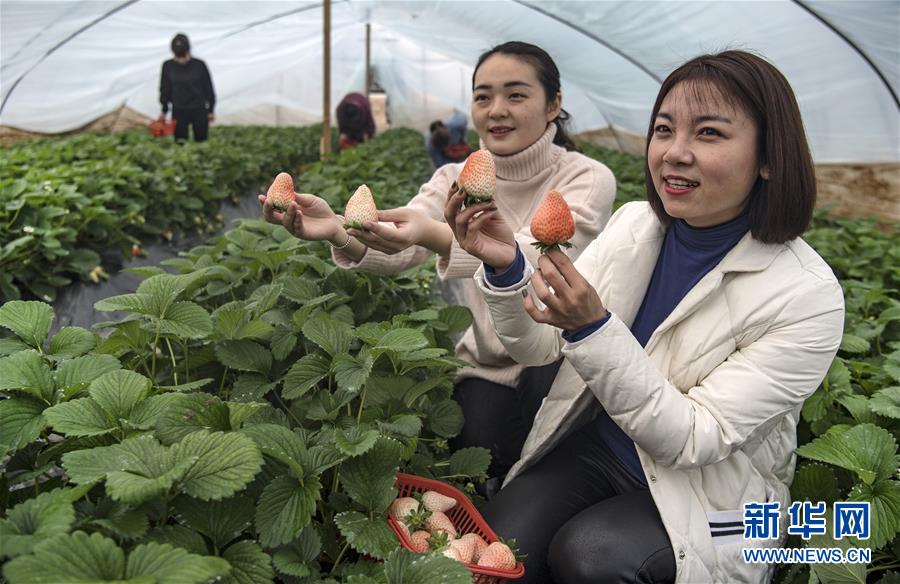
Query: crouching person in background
{"x": 693, "y": 328}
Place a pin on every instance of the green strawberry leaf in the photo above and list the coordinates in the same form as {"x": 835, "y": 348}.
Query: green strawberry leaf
{"x": 72, "y": 341}
{"x": 333, "y": 336}
{"x": 178, "y": 536}
{"x": 76, "y": 374}
{"x": 186, "y": 387}
{"x": 838, "y": 377}
{"x": 471, "y": 462}
{"x": 264, "y": 298}
{"x": 21, "y": 422}
{"x": 281, "y": 444}
{"x": 28, "y": 320}
{"x": 445, "y": 418}
{"x": 146, "y": 413}
{"x": 27, "y": 371}
{"x": 369, "y": 478}
{"x": 884, "y": 496}
{"x": 165, "y": 563}
{"x": 34, "y": 521}
{"x": 10, "y": 345}
{"x": 186, "y": 320}
{"x": 407, "y": 425}
{"x": 356, "y": 440}
{"x": 405, "y": 567}
{"x": 886, "y": 402}
{"x": 238, "y": 413}
{"x": 220, "y": 521}
{"x": 372, "y": 537}
{"x": 136, "y": 470}
{"x": 300, "y": 290}
{"x": 836, "y": 573}
{"x": 124, "y": 302}
{"x": 282, "y": 342}
{"x": 866, "y": 449}
{"x": 224, "y": 462}
{"x": 304, "y": 375}
{"x": 858, "y": 406}
{"x": 286, "y": 507}
{"x": 294, "y": 558}
{"x": 251, "y": 387}
{"x": 244, "y": 355}
{"x": 80, "y": 417}
{"x": 854, "y": 344}
{"x": 249, "y": 564}
{"x": 458, "y": 318}
{"x": 187, "y": 413}
{"x": 402, "y": 340}
{"x": 122, "y": 520}
{"x": 815, "y": 482}
{"x": 118, "y": 392}
{"x": 82, "y": 558}
{"x": 351, "y": 373}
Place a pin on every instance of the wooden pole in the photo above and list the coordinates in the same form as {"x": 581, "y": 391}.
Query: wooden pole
{"x": 368, "y": 59}
{"x": 325, "y": 145}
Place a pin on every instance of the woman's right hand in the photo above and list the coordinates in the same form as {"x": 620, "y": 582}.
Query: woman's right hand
{"x": 308, "y": 217}
{"x": 480, "y": 230}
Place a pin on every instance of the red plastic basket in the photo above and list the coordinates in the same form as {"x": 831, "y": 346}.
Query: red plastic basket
{"x": 465, "y": 518}
{"x": 162, "y": 129}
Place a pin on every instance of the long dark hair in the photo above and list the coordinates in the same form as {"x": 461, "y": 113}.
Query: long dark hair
{"x": 547, "y": 74}
{"x": 781, "y": 206}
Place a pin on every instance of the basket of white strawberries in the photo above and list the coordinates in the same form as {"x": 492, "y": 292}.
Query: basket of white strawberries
{"x": 429, "y": 516}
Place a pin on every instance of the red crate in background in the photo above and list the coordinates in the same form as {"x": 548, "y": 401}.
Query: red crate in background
{"x": 465, "y": 518}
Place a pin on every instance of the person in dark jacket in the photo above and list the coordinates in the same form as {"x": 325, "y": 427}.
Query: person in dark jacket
{"x": 355, "y": 122}
{"x": 186, "y": 85}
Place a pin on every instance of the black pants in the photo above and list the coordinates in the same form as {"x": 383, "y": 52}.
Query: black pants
{"x": 194, "y": 117}
{"x": 499, "y": 417}
{"x": 582, "y": 518}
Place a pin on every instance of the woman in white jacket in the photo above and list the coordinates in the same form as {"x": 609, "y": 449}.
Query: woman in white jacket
{"x": 693, "y": 328}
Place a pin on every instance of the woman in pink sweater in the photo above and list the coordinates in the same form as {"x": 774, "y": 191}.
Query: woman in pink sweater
{"x": 517, "y": 112}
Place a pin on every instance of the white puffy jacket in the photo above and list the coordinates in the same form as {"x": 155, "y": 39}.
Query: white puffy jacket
{"x": 712, "y": 402}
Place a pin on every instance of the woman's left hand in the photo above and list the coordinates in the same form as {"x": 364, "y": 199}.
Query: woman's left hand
{"x": 408, "y": 230}
{"x": 572, "y": 303}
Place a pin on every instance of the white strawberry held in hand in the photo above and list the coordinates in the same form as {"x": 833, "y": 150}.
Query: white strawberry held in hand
{"x": 360, "y": 208}
{"x": 281, "y": 191}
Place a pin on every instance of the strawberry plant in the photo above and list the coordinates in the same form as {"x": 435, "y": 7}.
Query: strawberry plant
{"x": 67, "y": 201}
{"x": 244, "y": 418}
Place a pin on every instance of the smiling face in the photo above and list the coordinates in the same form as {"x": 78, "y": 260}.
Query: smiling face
{"x": 509, "y": 106}
{"x": 703, "y": 155}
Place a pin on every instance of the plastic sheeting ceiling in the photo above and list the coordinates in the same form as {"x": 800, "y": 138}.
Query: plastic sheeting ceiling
{"x": 67, "y": 63}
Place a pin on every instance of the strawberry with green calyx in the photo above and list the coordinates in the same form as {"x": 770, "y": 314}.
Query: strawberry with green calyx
{"x": 552, "y": 225}
{"x": 360, "y": 208}
{"x": 438, "y": 521}
{"x": 418, "y": 518}
{"x": 500, "y": 555}
{"x": 403, "y": 506}
{"x": 435, "y": 501}
{"x": 478, "y": 178}
{"x": 419, "y": 541}
{"x": 281, "y": 191}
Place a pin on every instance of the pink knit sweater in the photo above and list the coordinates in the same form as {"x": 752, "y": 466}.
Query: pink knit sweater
{"x": 522, "y": 181}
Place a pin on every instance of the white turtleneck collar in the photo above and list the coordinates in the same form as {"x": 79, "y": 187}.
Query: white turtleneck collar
{"x": 523, "y": 165}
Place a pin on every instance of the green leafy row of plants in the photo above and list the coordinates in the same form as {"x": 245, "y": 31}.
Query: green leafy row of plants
{"x": 63, "y": 202}
{"x": 258, "y": 336}
{"x": 243, "y": 419}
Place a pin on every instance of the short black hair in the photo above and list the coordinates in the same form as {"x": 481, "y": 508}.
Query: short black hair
{"x": 180, "y": 44}
{"x": 780, "y": 207}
